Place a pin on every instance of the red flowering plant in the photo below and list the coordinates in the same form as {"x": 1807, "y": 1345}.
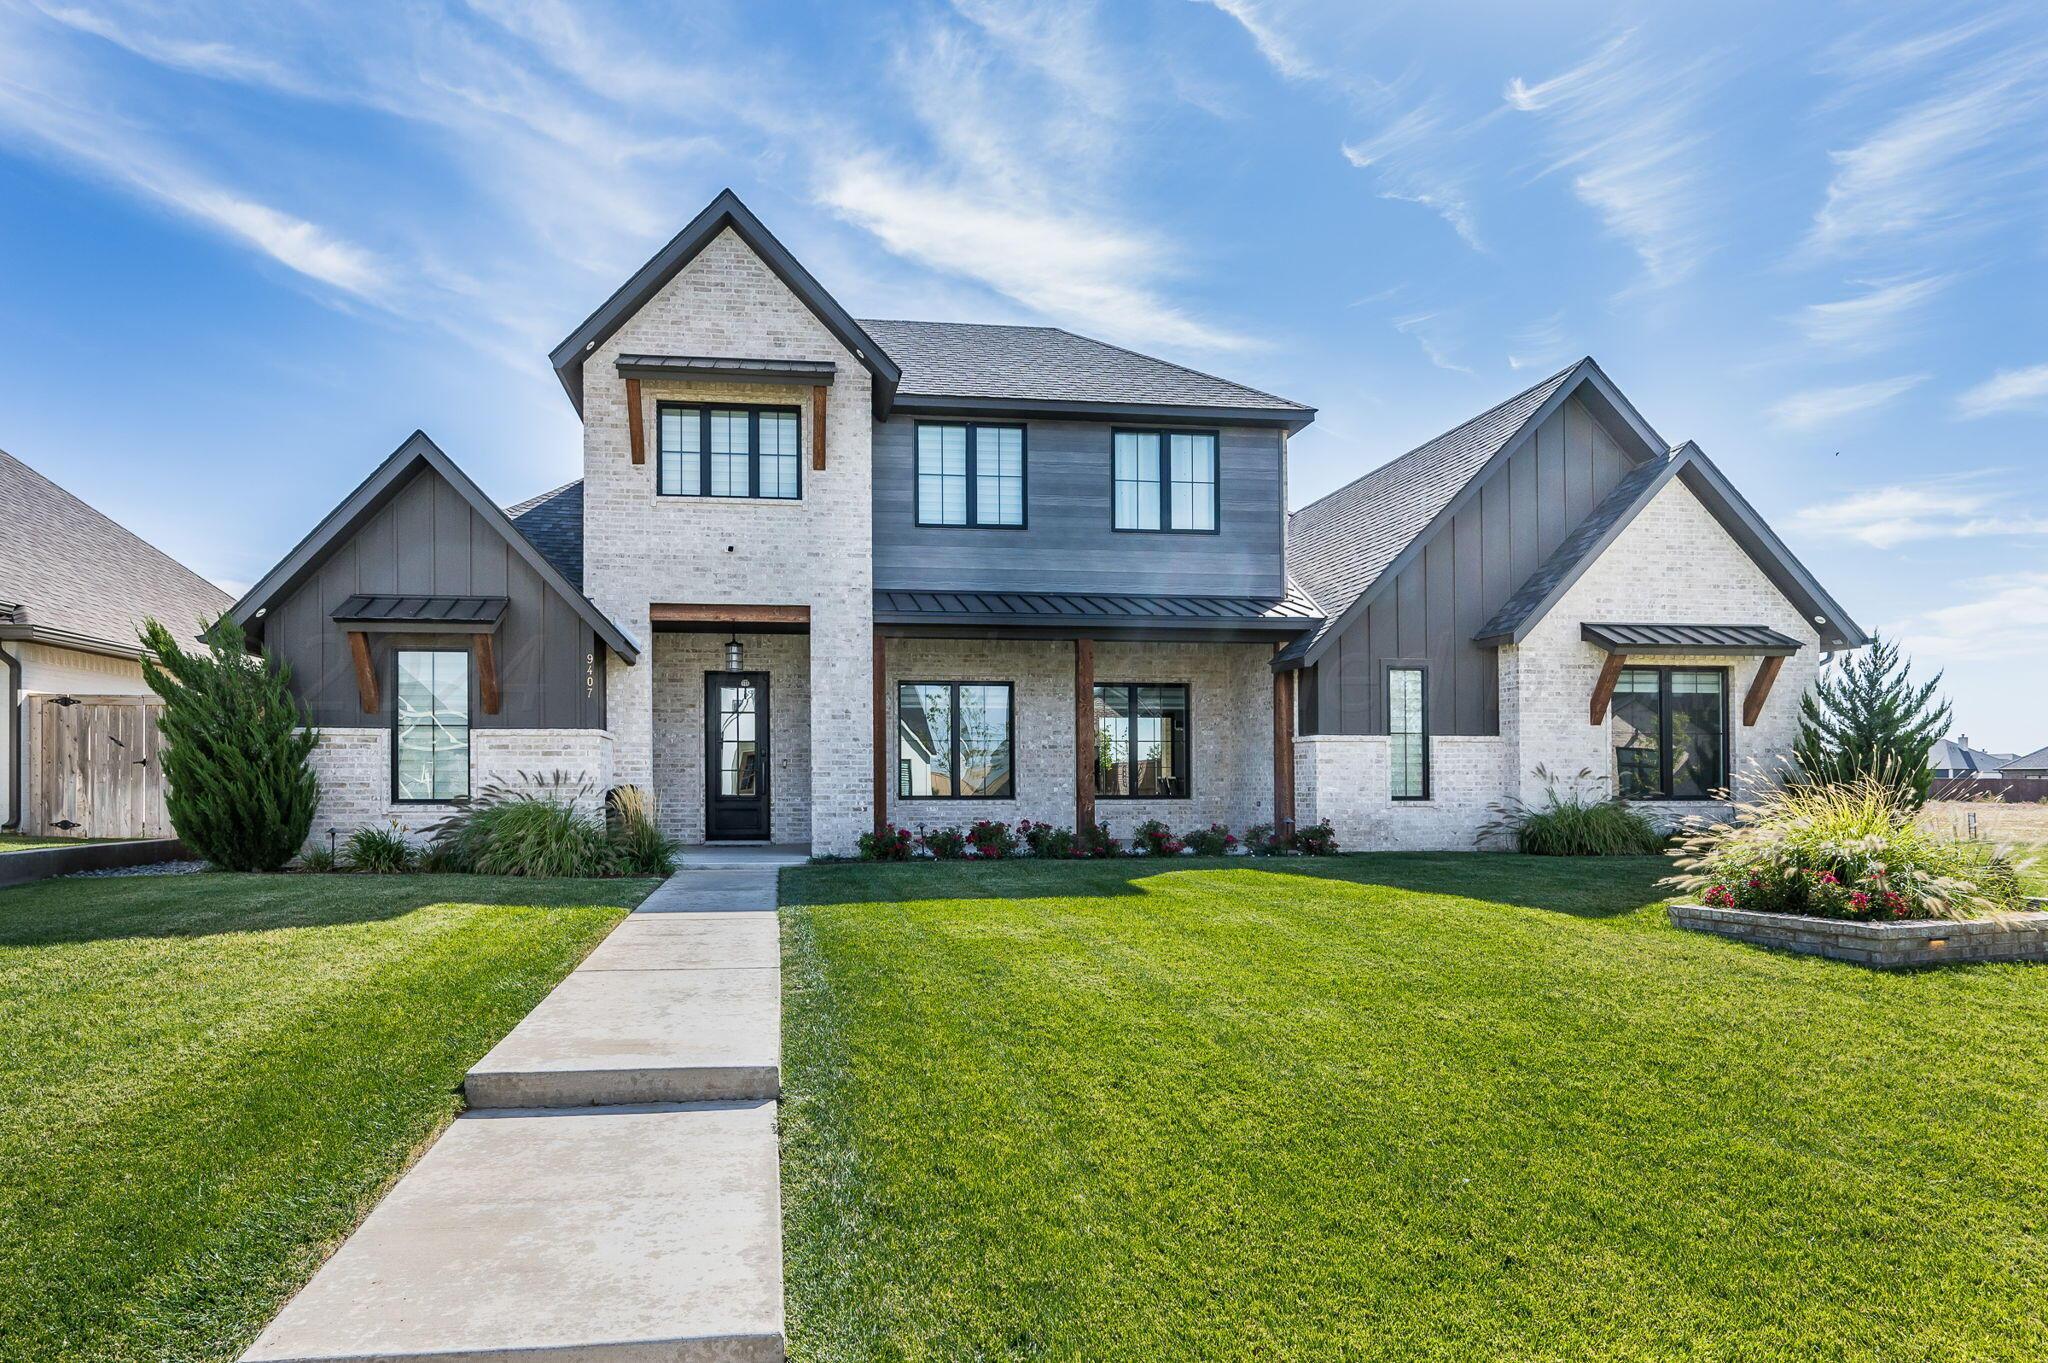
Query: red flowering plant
{"x": 947, "y": 844}
{"x": 1213, "y": 841}
{"x": 888, "y": 844}
{"x": 1093, "y": 840}
{"x": 991, "y": 839}
{"x": 1155, "y": 839}
{"x": 1046, "y": 839}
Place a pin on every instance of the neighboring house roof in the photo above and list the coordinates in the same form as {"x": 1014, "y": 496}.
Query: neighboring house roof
{"x": 77, "y": 578}
{"x": 971, "y": 365}
{"x": 417, "y": 452}
{"x": 1949, "y": 755}
{"x": 2036, "y": 760}
{"x": 1529, "y": 604}
{"x": 553, "y": 523}
{"x": 722, "y": 212}
{"x": 1250, "y": 616}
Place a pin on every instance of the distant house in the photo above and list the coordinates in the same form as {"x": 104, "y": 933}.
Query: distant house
{"x": 2034, "y": 763}
{"x": 1953, "y": 758}
{"x": 75, "y": 588}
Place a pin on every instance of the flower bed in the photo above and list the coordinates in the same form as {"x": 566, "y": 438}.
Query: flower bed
{"x": 1883, "y": 946}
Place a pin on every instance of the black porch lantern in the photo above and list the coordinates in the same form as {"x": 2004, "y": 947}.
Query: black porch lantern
{"x": 735, "y": 655}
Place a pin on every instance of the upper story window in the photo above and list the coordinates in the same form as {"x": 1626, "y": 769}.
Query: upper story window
{"x": 1165, "y": 480}
{"x": 718, "y": 451}
{"x": 970, "y": 474}
{"x": 1670, "y": 727}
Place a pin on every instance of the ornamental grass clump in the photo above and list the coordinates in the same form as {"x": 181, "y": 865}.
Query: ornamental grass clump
{"x": 539, "y": 827}
{"x": 1849, "y": 850}
{"x": 379, "y": 852}
{"x": 644, "y": 850}
{"x": 1568, "y": 824}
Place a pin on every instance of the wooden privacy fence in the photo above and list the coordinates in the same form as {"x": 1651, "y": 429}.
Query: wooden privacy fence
{"x": 94, "y": 767}
{"x": 2014, "y": 790}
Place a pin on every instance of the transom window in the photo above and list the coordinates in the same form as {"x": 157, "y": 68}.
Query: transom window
{"x": 1141, "y": 741}
{"x": 1670, "y": 733}
{"x": 430, "y": 748}
{"x": 714, "y": 451}
{"x": 970, "y": 474}
{"x": 953, "y": 741}
{"x": 1408, "y": 728}
{"x": 1164, "y": 480}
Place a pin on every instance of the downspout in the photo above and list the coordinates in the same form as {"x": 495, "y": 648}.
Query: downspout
{"x": 17, "y": 752}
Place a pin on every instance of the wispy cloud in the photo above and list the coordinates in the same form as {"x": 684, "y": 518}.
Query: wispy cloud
{"x": 2005, "y": 391}
{"x": 1881, "y": 315}
{"x": 1627, "y": 126}
{"x": 2005, "y": 617}
{"x": 1433, "y": 332}
{"x": 1541, "y": 344}
{"x": 1409, "y": 156}
{"x": 1814, "y": 407}
{"x": 1961, "y": 159}
{"x": 1952, "y": 509}
{"x": 1280, "y": 50}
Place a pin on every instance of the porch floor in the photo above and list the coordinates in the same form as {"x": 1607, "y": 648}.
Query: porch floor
{"x": 750, "y": 854}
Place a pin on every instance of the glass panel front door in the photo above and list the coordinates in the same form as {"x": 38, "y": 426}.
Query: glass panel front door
{"x": 736, "y": 755}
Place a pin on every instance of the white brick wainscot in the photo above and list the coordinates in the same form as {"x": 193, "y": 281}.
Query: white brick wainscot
{"x": 354, "y": 770}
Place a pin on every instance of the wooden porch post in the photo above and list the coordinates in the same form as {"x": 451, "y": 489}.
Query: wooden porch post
{"x": 1084, "y": 733}
{"x": 1760, "y": 689}
{"x": 366, "y": 674}
{"x": 635, "y": 436}
{"x": 1283, "y": 751}
{"x": 1603, "y": 689}
{"x": 881, "y": 734}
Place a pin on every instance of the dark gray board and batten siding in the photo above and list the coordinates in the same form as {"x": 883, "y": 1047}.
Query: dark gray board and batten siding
{"x": 1068, "y": 543}
{"x": 428, "y": 541}
{"x": 1465, "y": 573}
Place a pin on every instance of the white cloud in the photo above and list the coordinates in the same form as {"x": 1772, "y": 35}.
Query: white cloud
{"x": 1628, "y": 127}
{"x": 1431, "y": 331}
{"x": 1541, "y": 343}
{"x": 1959, "y": 160}
{"x": 2004, "y": 391}
{"x": 1279, "y": 50}
{"x": 2006, "y": 618}
{"x": 1409, "y": 158}
{"x": 1814, "y": 407}
{"x": 1896, "y": 514}
{"x": 1880, "y": 316}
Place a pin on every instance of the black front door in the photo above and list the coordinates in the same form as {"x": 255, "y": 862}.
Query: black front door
{"x": 736, "y": 755}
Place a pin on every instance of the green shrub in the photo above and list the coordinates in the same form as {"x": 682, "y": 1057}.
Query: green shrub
{"x": 1094, "y": 841}
{"x": 1261, "y": 841}
{"x": 238, "y": 787}
{"x": 947, "y": 844}
{"x": 1047, "y": 840}
{"x": 644, "y": 850}
{"x": 1213, "y": 841}
{"x": 992, "y": 839}
{"x": 1840, "y": 851}
{"x": 892, "y": 844}
{"x": 1317, "y": 840}
{"x": 379, "y": 851}
{"x": 1567, "y": 824}
{"x": 317, "y": 861}
{"x": 1155, "y": 839}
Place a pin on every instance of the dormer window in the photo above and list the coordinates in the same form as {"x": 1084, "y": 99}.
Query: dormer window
{"x": 709, "y": 450}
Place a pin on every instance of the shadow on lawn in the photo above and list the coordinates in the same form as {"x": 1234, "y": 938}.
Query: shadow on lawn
{"x": 1591, "y": 887}
{"x": 108, "y": 908}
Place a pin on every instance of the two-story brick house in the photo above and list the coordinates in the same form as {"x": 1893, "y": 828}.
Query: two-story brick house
{"x": 822, "y": 573}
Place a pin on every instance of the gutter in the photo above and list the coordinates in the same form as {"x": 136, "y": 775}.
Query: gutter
{"x": 17, "y": 751}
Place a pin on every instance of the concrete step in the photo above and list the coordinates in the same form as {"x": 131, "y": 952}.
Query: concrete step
{"x": 628, "y": 1034}
{"x": 715, "y": 891}
{"x": 615, "y": 1235}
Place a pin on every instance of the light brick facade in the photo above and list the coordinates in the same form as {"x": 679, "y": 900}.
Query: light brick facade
{"x": 641, "y": 549}
{"x": 354, "y": 770}
{"x": 681, "y": 663}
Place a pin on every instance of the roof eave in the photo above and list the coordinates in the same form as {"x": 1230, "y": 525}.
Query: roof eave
{"x": 1290, "y": 419}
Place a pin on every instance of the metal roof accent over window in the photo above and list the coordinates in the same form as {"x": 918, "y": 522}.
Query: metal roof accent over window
{"x": 453, "y": 614}
{"x": 1267, "y": 616}
{"x": 1747, "y": 640}
{"x": 712, "y": 368}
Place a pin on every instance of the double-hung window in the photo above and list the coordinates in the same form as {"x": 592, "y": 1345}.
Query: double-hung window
{"x": 430, "y": 748}
{"x": 1141, "y": 741}
{"x": 1408, "y": 733}
{"x": 970, "y": 474}
{"x": 1670, "y": 729}
{"x": 716, "y": 451}
{"x": 1164, "y": 480}
{"x": 953, "y": 741}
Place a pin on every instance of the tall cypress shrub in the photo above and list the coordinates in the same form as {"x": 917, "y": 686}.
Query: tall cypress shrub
{"x": 235, "y": 745}
{"x": 1870, "y": 719}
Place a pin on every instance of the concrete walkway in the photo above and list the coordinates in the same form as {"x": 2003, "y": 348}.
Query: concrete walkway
{"x": 614, "y": 1191}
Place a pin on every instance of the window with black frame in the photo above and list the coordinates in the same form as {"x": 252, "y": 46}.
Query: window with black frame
{"x": 1670, "y": 731}
{"x": 1141, "y": 741}
{"x": 1163, "y": 480}
{"x": 969, "y": 474}
{"x": 953, "y": 741}
{"x": 720, "y": 451}
{"x": 1407, "y": 730}
{"x": 430, "y": 745}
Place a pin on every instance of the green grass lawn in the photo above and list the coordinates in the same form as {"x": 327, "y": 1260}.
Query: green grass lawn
{"x": 1388, "y": 1107}
{"x": 206, "y": 1080}
{"x": 27, "y": 842}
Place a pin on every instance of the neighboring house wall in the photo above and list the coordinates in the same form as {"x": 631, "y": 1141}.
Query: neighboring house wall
{"x": 817, "y": 551}
{"x": 1068, "y": 543}
{"x": 1468, "y": 568}
{"x": 428, "y": 541}
{"x": 1230, "y": 699}
{"x": 50, "y": 671}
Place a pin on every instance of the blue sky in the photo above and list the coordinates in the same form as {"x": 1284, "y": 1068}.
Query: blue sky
{"x": 244, "y": 250}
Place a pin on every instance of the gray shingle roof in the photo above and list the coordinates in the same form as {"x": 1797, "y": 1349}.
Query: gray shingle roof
{"x": 2037, "y": 760}
{"x": 1047, "y": 364}
{"x": 1949, "y": 755}
{"x": 1292, "y": 612}
{"x": 75, "y": 571}
{"x": 1563, "y": 560}
{"x": 553, "y": 524}
{"x": 1338, "y": 546}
